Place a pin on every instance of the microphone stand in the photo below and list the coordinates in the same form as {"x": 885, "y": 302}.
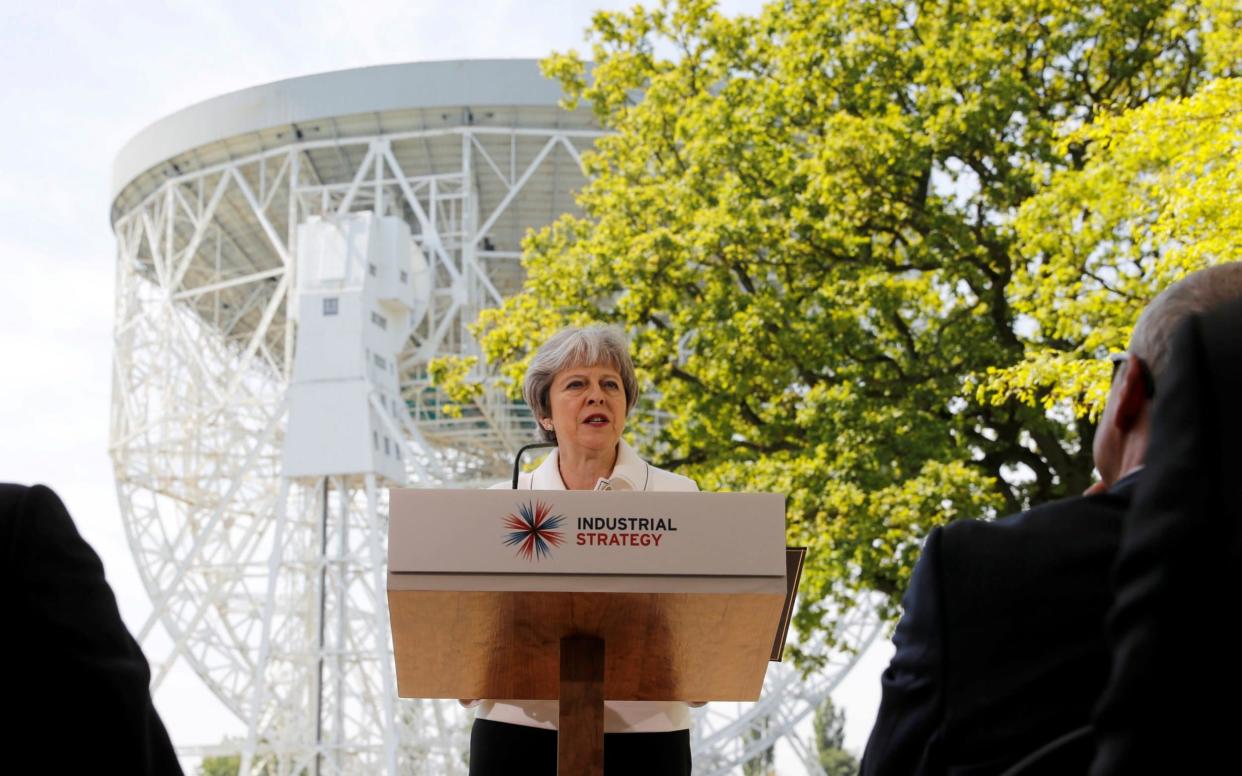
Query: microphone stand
{"x": 517, "y": 461}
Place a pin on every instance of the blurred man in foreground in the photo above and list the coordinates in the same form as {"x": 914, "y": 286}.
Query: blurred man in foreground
{"x": 76, "y": 682}
{"x": 1177, "y": 571}
{"x": 1001, "y": 650}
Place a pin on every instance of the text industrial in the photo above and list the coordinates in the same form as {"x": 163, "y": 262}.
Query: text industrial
{"x": 623, "y": 531}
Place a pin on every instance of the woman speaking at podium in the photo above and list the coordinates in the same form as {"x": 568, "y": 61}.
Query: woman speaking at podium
{"x": 581, "y": 387}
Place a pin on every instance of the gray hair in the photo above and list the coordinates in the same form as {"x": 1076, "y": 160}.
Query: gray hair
{"x": 1196, "y": 293}
{"x": 570, "y": 347}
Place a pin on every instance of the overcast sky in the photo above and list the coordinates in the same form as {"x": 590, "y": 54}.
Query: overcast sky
{"x": 84, "y": 77}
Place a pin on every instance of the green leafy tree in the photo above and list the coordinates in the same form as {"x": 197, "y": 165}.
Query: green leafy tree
{"x": 1156, "y": 199}
{"x": 829, "y": 725}
{"x": 808, "y": 219}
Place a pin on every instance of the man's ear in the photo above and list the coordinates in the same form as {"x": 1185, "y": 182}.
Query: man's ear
{"x": 1132, "y": 396}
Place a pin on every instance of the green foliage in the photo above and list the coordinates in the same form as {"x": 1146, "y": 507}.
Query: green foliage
{"x": 222, "y": 765}
{"x": 1155, "y": 199}
{"x": 829, "y": 726}
{"x": 762, "y": 764}
{"x": 450, "y": 373}
{"x": 1222, "y": 40}
{"x": 809, "y": 221}
{"x": 230, "y": 764}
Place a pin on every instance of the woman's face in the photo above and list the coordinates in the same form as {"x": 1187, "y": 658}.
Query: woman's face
{"x": 588, "y": 407}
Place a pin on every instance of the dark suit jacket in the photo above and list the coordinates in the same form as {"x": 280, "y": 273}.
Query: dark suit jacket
{"x": 1001, "y": 648}
{"x": 1171, "y": 704}
{"x": 75, "y": 687}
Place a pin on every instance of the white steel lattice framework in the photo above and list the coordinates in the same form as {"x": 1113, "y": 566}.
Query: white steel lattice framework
{"x": 271, "y": 587}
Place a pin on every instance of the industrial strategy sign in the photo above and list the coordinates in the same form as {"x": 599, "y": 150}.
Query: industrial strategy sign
{"x": 586, "y": 532}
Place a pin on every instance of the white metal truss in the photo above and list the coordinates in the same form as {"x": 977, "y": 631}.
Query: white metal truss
{"x": 271, "y": 588}
{"x": 726, "y": 734}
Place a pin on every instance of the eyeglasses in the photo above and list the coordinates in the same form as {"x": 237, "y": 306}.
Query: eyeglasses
{"x": 1149, "y": 383}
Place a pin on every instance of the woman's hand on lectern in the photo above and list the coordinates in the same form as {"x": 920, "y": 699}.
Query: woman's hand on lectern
{"x": 469, "y": 703}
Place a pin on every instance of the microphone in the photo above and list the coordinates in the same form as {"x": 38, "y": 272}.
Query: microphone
{"x": 517, "y": 461}
{"x": 616, "y": 482}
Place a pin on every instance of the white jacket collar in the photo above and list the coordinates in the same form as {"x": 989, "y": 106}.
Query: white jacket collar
{"x": 629, "y": 472}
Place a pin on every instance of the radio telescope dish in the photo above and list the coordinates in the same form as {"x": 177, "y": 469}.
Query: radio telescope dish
{"x": 290, "y": 258}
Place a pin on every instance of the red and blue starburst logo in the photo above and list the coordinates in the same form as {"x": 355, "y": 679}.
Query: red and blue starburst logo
{"x": 534, "y": 531}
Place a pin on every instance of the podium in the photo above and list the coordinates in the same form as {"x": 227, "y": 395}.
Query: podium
{"x": 583, "y": 596}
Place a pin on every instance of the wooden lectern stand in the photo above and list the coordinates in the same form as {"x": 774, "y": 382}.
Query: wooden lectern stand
{"x": 584, "y": 596}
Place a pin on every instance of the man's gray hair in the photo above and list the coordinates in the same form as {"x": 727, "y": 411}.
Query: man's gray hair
{"x": 572, "y": 346}
{"x": 1196, "y": 293}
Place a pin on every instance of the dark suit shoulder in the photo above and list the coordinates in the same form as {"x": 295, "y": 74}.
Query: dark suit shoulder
{"x": 26, "y": 501}
{"x": 10, "y": 490}
{"x": 31, "y": 518}
{"x": 11, "y": 494}
{"x": 1052, "y": 561}
{"x": 12, "y": 498}
{"x": 1054, "y": 517}
{"x": 40, "y": 536}
{"x": 1038, "y": 536}
{"x": 1022, "y": 601}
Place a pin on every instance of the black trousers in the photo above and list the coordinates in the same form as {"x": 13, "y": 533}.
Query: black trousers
{"x": 501, "y": 749}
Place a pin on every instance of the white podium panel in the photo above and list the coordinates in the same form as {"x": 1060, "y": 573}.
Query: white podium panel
{"x": 586, "y": 532}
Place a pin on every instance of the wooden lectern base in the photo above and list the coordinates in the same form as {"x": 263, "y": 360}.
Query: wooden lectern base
{"x": 580, "y": 741}
{"x": 706, "y": 639}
